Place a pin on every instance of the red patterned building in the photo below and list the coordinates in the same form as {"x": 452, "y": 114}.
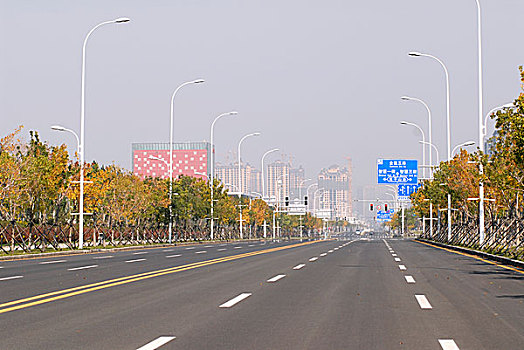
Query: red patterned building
{"x": 152, "y": 159}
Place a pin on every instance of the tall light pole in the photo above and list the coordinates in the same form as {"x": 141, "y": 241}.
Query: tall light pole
{"x": 418, "y": 54}
{"x": 263, "y": 168}
{"x": 82, "y": 132}
{"x": 198, "y": 81}
{"x": 448, "y": 120}
{"x": 240, "y": 179}
{"x": 463, "y": 144}
{"x": 211, "y": 182}
{"x": 408, "y": 98}
{"x": 423, "y": 145}
{"x": 307, "y": 189}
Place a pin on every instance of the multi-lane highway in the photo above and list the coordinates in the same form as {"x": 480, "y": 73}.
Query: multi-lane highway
{"x": 351, "y": 293}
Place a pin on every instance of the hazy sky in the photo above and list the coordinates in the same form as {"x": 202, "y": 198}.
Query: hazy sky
{"x": 321, "y": 80}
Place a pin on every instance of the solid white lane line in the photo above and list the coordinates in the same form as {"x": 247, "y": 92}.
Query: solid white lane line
{"x": 423, "y": 301}
{"x": 188, "y": 248}
{"x": 10, "y": 278}
{"x": 236, "y": 300}
{"x": 51, "y": 262}
{"x": 409, "y": 279}
{"x": 330, "y": 251}
{"x": 313, "y": 259}
{"x": 402, "y": 267}
{"x": 167, "y": 250}
{"x": 173, "y": 256}
{"x": 155, "y": 344}
{"x": 221, "y": 249}
{"x": 82, "y": 267}
{"x": 323, "y": 254}
{"x": 201, "y": 252}
{"x": 238, "y": 247}
{"x": 299, "y": 266}
{"x": 140, "y": 253}
{"x": 134, "y": 260}
{"x": 103, "y": 257}
{"x": 448, "y": 344}
{"x": 397, "y": 259}
{"x": 276, "y": 278}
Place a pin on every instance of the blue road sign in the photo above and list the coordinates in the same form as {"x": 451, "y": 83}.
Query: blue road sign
{"x": 384, "y": 215}
{"x": 397, "y": 171}
{"x": 404, "y": 191}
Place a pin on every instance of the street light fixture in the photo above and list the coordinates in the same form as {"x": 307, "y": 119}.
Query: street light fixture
{"x": 263, "y": 167}
{"x": 408, "y": 98}
{"x": 61, "y": 128}
{"x": 464, "y": 144}
{"x": 240, "y": 179}
{"x": 81, "y": 144}
{"x": 212, "y": 179}
{"x": 418, "y": 54}
{"x": 197, "y": 81}
{"x": 423, "y": 145}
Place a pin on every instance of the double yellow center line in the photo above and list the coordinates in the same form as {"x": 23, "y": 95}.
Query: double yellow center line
{"x": 66, "y": 293}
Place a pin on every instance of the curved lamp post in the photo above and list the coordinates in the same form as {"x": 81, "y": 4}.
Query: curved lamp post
{"x": 81, "y": 146}
{"x": 423, "y": 145}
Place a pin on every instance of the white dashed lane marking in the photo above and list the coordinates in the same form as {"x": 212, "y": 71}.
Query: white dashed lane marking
{"x": 423, "y": 301}
{"x": 313, "y": 259}
{"x": 299, "y": 266}
{"x": 409, "y": 279}
{"x": 201, "y": 252}
{"x": 221, "y": 249}
{"x": 276, "y": 278}
{"x": 155, "y": 344}
{"x": 235, "y": 300}
{"x": 188, "y": 248}
{"x": 397, "y": 259}
{"x": 323, "y": 254}
{"x": 173, "y": 256}
{"x": 10, "y": 278}
{"x": 52, "y": 262}
{"x": 82, "y": 267}
{"x": 103, "y": 257}
{"x": 238, "y": 247}
{"x": 402, "y": 267}
{"x": 134, "y": 260}
{"x": 330, "y": 251}
{"x": 167, "y": 250}
{"x": 140, "y": 253}
{"x": 448, "y": 344}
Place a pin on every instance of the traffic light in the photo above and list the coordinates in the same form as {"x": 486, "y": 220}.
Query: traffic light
{"x": 305, "y": 200}
{"x": 371, "y": 207}
{"x": 287, "y": 201}
{"x": 385, "y": 207}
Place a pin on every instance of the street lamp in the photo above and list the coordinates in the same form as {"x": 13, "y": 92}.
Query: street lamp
{"x": 408, "y": 98}
{"x": 61, "y": 128}
{"x": 212, "y": 179}
{"x": 198, "y": 81}
{"x": 81, "y": 145}
{"x": 201, "y": 174}
{"x": 464, "y": 144}
{"x": 418, "y": 54}
{"x": 159, "y": 160}
{"x": 423, "y": 145}
{"x": 434, "y": 147}
{"x": 262, "y": 164}
{"x": 240, "y": 179}
{"x": 307, "y": 189}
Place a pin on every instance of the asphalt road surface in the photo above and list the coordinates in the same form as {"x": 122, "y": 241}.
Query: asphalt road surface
{"x": 348, "y": 293}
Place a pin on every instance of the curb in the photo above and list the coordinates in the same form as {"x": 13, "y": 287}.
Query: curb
{"x": 487, "y": 256}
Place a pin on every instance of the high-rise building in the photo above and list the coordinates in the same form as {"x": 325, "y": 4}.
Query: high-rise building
{"x": 296, "y": 183}
{"x": 188, "y": 158}
{"x": 335, "y": 201}
{"x": 278, "y": 179}
{"x": 228, "y": 175}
